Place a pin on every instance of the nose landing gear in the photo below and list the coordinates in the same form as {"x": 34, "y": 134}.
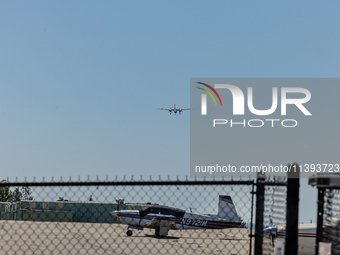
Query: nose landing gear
{"x": 129, "y": 232}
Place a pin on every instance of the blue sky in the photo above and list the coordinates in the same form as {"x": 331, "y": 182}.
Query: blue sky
{"x": 80, "y": 82}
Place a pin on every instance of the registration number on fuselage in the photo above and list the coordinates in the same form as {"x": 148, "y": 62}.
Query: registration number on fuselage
{"x": 194, "y": 222}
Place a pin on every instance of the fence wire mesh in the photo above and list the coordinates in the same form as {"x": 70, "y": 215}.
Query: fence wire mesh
{"x": 274, "y": 213}
{"x": 170, "y": 217}
{"x": 331, "y": 226}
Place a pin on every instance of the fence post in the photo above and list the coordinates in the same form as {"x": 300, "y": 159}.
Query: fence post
{"x": 251, "y": 220}
{"x": 292, "y": 217}
{"x": 259, "y": 213}
{"x": 321, "y": 192}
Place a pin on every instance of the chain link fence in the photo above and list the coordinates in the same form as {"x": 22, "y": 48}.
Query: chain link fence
{"x": 271, "y": 207}
{"x": 128, "y": 217}
{"x": 146, "y": 217}
{"x": 275, "y": 205}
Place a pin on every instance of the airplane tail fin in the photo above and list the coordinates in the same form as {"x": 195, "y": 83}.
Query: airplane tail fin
{"x": 270, "y": 221}
{"x": 226, "y": 208}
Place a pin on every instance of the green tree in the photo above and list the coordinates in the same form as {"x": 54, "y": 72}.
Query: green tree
{"x": 5, "y": 194}
{"x": 24, "y": 193}
{"x": 15, "y": 195}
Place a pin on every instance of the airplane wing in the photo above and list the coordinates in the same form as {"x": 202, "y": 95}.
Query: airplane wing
{"x": 152, "y": 222}
{"x": 174, "y": 225}
{"x": 164, "y": 109}
{"x": 168, "y": 223}
{"x": 185, "y": 109}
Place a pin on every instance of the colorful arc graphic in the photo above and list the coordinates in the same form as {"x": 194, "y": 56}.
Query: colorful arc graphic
{"x": 208, "y": 93}
{"x": 213, "y": 90}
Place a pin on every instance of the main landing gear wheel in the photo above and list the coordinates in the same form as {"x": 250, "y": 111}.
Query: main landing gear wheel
{"x": 129, "y": 233}
{"x": 157, "y": 232}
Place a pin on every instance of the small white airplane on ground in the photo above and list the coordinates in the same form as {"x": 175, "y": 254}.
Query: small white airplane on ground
{"x": 175, "y": 110}
{"x": 163, "y": 218}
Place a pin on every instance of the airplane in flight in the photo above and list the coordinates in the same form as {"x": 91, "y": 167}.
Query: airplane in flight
{"x": 175, "y": 110}
{"x": 163, "y": 218}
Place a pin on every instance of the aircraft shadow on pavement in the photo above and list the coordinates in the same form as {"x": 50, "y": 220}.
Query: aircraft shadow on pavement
{"x": 162, "y": 237}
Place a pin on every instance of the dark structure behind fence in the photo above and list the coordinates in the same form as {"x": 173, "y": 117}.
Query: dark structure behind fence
{"x": 328, "y": 216}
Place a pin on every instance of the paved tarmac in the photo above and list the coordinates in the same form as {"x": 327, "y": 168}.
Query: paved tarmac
{"x": 25, "y": 237}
